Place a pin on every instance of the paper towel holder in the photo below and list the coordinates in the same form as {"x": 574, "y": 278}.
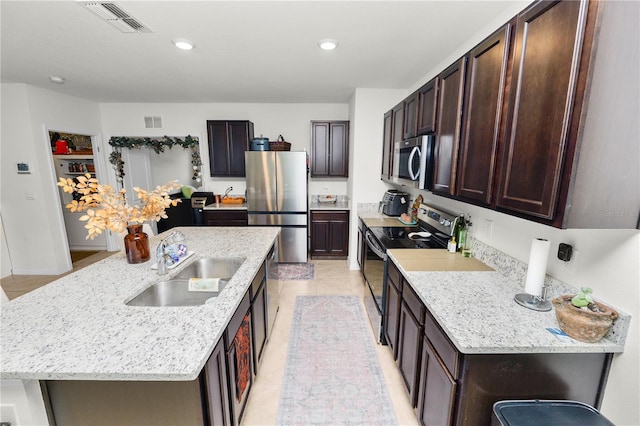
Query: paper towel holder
{"x": 533, "y": 302}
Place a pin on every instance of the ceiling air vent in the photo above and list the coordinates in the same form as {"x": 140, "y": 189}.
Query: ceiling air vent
{"x": 116, "y": 16}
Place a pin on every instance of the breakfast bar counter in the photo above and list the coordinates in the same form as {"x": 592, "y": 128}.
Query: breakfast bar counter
{"x": 80, "y": 328}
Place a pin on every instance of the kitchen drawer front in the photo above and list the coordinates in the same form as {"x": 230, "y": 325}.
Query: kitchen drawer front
{"x": 443, "y": 346}
{"x": 393, "y": 275}
{"x": 414, "y": 303}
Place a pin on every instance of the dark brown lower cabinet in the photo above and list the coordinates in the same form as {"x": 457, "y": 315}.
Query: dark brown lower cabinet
{"x": 437, "y": 392}
{"x": 330, "y": 233}
{"x": 217, "y": 389}
{"x": 410, "y": 332}
{"x": 239, "y": 359}
{"x": 392, "y": 302}
{"x": 226, "y": 217}
{"x": 259, "y": 315}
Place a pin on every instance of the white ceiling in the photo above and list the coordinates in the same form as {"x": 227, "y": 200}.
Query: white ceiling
{"x": 246, "y": 51}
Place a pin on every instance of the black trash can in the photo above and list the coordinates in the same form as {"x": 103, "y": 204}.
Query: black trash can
{"x": 546, "y": 412}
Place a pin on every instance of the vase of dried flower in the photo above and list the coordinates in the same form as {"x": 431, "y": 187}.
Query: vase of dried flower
{"x": 136, "y": 244}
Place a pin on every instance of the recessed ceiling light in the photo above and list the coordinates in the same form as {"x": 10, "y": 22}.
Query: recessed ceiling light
{"x": 57, "y": 79}
{"x": 328, "y": 44}
{"x": 183, "y": 44}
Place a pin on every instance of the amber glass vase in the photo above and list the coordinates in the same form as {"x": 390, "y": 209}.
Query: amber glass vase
{"x": 136, "y": 245}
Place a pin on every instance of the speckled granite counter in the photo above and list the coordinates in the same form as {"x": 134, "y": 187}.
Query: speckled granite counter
{"x": 314, "y": 205}
{"x": 477, "y": 311}
{"x": 79, "y": 328}
{"x": 225, "y": 206}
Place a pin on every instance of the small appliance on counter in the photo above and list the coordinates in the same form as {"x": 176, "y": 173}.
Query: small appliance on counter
{"x": 198, "y": 201}
{"x": 394, "y": 202}
{"x": 260, "y": 144}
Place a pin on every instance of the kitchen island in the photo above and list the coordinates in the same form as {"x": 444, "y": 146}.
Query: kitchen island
{"x": 78, "y": 333}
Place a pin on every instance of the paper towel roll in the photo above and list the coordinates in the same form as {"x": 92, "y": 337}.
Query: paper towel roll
{"x": 537, "y": 268}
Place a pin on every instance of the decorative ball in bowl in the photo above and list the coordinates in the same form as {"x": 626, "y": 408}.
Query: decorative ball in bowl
{"x": 583, "y": 324}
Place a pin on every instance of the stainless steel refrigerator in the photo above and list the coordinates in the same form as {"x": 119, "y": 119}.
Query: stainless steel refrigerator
{"x": 277, "y": 196}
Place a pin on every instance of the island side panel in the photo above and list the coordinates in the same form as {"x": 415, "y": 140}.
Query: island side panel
{"x": 108, "y": 403}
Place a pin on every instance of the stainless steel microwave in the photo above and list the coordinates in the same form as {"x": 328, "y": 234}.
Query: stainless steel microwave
{"x": 413, "y": 162}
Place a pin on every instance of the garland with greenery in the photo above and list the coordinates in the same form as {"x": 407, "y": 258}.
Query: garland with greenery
{"x": 158, "y": 145}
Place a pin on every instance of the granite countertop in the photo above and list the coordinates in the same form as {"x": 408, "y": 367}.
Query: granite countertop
{"x": 474, "y": 306}
{"x": 79, "y": 328}
{"x": 338, "y": 205}
{"x": 225, "y": 206}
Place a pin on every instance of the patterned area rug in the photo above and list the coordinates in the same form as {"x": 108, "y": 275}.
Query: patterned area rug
{"x": 332, "y": 374}
{"x": 293, "y": 272}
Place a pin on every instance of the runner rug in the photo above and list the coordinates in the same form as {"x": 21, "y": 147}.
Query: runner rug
{"x": 294, "y": 272}
{"x": 332, "y": 374}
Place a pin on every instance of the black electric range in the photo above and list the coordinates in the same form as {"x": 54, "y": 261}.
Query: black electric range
{"x": 433, "y": 231}
{"x": 391, "y": 237}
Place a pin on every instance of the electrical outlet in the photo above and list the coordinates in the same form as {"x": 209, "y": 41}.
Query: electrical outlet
{"x": 8, "y": 415}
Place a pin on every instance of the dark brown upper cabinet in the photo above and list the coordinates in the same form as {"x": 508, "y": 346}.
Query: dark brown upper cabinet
{"x": 398, "y": 124}
{"x": 410, "y": 116}
{"x": 450, "y": 99}
{"x": 387, "y": 147}
{"x": 427, "y": 107}
{"x": 228, "y": 141}
{"x": 544, "y": 79}
{"x": 482, "y": 130}
{"x": 329, "y": 149}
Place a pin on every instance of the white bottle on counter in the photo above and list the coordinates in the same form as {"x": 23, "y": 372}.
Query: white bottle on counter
{"x": 452, "y": 246}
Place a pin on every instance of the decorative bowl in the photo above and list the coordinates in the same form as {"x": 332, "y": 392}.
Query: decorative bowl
{"x": 583, "y": 324}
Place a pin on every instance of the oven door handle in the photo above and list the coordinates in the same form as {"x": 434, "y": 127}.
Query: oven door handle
{"x": 416, "y": 175}
{"x": 373, "y": 245}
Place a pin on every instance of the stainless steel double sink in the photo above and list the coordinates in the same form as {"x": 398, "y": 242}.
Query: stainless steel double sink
{"x": 175, "y": 291}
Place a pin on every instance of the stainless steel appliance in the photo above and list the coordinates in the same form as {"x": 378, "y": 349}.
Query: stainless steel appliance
{"x": 434, "y": 229}
{"x": 395, "y": 202}
{"x": 277, "y": 196}
{"x": 273, "y": 288}
{"x": 413, "y": 162}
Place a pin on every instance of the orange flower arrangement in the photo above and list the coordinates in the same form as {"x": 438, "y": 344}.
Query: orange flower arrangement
{"x": 107, "y": 209}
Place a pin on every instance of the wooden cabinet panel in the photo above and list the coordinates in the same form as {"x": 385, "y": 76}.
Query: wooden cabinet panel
{"x": 387, "y": 147}
{"x": 226, "y": 217}
{"x": 427, "y": 107}
{"x": 410, "y": 116}
{"x": 392, "y": 303}
{"x": 259, "y": 316}
{"x": 448, "y": 129}
{"x": 329, "y": 148}
{"x": 398, "y": 124}
{"x": 482, "y": 130}
{"x": 238, "y": 344}
{"x": 546, "y": 58}
{"x": 436, "y": 396}
{"x": 409, "y": 346}
{"x": 217, "y": 384}
{"x": 228, "y": 141}
{"x": 329, "y": 233}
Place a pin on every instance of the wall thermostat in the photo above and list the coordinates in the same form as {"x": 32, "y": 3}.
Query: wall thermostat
{"x": 23, "y": 168}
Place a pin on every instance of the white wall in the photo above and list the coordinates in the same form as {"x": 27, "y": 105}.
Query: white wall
{"x": 367, "y": 108}
{"x": 31, "y": 210}
{"x": 292, "y": 121}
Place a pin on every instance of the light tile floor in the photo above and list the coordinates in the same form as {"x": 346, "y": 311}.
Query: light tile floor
{"x": 332, "y": 277}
